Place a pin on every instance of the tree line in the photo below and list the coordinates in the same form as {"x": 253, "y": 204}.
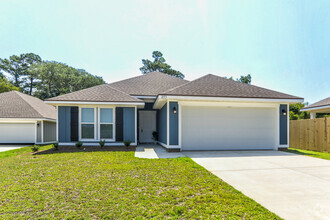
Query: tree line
{"x": 31, "y": 75}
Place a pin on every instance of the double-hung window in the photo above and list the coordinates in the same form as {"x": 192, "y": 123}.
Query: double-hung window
{"x": 106, "y": 124}
{"x": 88, "y": 123}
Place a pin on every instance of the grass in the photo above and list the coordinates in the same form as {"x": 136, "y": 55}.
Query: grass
{"x": 21, "y": 151}
{"x": 322, "y": 155}
{"x": 116, "y": 185}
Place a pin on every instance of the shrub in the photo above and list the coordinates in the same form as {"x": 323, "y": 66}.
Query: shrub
{"x": 79, "y": 144}
{"x": 35, "y": 148}
{"x": 127, "y": 143}
{"x": 55, "y": 145}
{"x": 102, "y": 143}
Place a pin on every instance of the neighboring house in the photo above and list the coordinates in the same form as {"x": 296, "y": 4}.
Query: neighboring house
{"x": 26, "y": 120}
{"x": 209, "y": 113}
{"x": 322, "y": 106}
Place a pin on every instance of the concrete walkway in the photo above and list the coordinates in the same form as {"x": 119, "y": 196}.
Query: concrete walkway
{"x": 290, "y": 185}
{"x": 10, "y": 147}
{"x": 152, "y": 151}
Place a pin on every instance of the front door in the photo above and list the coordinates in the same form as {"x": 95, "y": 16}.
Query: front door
{"x": 147, "y": 125}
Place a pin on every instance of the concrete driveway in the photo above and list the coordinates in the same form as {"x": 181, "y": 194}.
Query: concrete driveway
{"x": 290, "y": 185}
{"x": 10, "y": 147}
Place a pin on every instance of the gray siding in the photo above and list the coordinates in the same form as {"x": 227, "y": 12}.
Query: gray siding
{"x": 174, "y": 123}
{"x": 129, "y": 123}
{"x": 64, "y": 126}
{"x": 162, "y": 126}
{"x": 49, "y": 131}
{"x": 283, "y": 125}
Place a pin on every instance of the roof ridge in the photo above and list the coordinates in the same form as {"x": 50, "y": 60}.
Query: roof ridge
{"x": 123, "y": 92}
{"x": 23, "y": 98}
{"x": 188, "y": 82}
{"x": 166, "y": 75}
{"x": 145, "y": 74}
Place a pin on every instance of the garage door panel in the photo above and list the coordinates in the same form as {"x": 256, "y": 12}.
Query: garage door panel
{"x": 17, "y": 133}
{"x": 219, "y": 128}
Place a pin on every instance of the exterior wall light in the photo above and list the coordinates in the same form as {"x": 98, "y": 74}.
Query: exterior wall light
{"x": 174, "y": 110}
{"x": 283, "y": 112}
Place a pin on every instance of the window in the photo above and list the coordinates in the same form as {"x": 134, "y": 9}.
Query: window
{"x": 87, "y": 123}
{"x": 106, "y": 123}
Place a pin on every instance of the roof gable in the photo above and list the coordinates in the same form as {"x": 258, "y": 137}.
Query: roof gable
{"x": 100, "y": 93}
{"x": 216, "y": 86}
{"x": 149, "y": 84}
{"x": 18, "y": 105}
{"x": 323, "y": 102}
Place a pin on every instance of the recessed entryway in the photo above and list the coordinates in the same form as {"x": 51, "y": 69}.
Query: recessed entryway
{"x": 147, "y": 125}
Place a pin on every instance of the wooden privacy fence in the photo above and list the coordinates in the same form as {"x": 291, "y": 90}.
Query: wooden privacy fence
{"x": 310, "y": 134}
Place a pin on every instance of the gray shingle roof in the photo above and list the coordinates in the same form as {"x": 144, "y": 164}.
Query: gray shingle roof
{"x": 216, "y": 86}
{"x": 323, "y": 102}
{"x": 100, "y": 93}
{"x": 18, "y": 105}
{"x": 150, "y": 84}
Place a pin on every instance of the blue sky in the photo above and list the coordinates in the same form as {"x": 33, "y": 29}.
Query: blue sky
{"x": 284, "y": 45}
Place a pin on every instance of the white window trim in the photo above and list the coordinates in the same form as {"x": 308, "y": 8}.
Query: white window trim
{"x": 113, "y": 123}
{"x": 81, "y": 123}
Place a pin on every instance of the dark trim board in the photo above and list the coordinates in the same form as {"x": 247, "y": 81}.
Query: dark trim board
{"x": 283, "y": 125}
{"x": 74, "y": 123}
{"x": 119, "y": 124}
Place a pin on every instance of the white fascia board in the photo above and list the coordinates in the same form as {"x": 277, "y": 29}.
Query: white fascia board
{"x": 315, "y": 108}
{"x": 94, "y": 103}
{"x": 223, "y": 99}
{"x": 50, "y": 120}
{"x": 144, "y": 97}
{"x": 27, "y": 119}
{"x": 19, "y": 120}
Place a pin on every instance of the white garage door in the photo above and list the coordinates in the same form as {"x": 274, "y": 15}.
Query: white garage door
{"x": 223, "y": 128}
{"x": 17, "y": 133}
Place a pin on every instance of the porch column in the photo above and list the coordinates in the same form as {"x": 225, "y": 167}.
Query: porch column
{"x": 313, "y": 115}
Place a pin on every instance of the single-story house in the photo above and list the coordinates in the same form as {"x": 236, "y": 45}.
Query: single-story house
{"x": 209, "y": 113}
{"x": 322, "y": 106}
{"x": 26, "y": 120}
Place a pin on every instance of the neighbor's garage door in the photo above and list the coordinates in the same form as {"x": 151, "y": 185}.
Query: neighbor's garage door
{"x": 223, "y": 128}
{"x": 17, "y": 133}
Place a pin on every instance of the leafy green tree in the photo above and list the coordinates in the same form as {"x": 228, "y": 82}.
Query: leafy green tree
{"x": 56, "y": 78}
{"x": 296, "y": 114}
{"x": 243, "y": 79}
{"x": 18, "y": 68}
{"x": 6, "y": 86}
{"x": 30, "y": 75}
{"x": 159, "y": 65}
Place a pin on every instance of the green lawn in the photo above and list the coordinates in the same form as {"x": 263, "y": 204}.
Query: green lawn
{"x": 21, "y": 151}
{"x": 116, "y": 185}
{"x": 317, "y": 154}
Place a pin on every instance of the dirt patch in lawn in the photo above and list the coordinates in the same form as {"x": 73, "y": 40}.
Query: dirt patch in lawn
{"x": 74, "y": 149}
